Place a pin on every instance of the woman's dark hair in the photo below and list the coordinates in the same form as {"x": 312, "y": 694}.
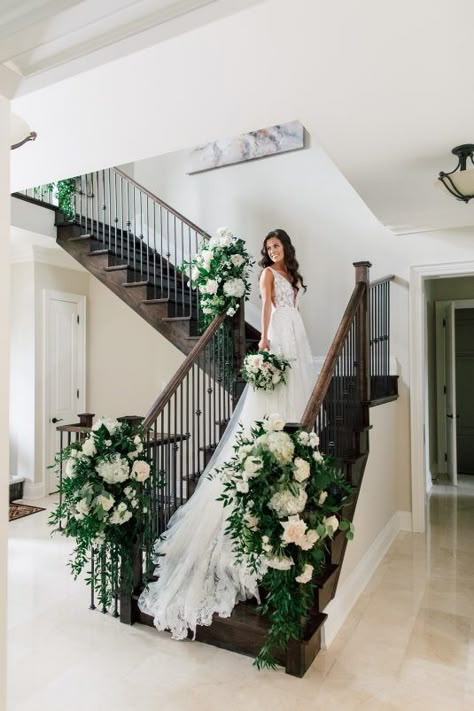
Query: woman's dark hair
{"x": 291, "y": 262}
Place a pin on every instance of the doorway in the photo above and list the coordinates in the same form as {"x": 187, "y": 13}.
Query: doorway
{"x": 422, "y": 372}
{"x": 64, "y": 363}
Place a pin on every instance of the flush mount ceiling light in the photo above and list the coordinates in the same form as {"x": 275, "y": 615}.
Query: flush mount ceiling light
{"x": 460, "y": 181}
{"x": 20, "y": 132}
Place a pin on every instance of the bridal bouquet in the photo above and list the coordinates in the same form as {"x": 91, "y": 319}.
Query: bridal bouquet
{"x": 285, "y": 498}
{"x": 220, "y": 272}
{"x": 265, "y": 370}
{"x": 102, "y": 500}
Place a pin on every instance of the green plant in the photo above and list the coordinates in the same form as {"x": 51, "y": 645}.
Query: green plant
{"x": 64, "y": 193}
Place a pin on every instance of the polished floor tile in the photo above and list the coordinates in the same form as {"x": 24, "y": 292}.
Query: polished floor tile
{"x": 407, "y": 644}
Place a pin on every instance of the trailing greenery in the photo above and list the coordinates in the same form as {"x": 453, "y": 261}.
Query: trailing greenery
{"x": 65, "y": 191}
{"x": 220, "y": 272}
{"x": 103, "y": 504}
{"x": 285, "y": 499}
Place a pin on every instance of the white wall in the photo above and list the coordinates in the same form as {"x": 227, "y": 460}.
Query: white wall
{"x": 129, "y": 362}
{"x": 4, "y": 379}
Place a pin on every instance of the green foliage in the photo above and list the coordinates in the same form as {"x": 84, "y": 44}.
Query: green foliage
{"x": 265, "y": 370}
{"x": 284, "y": 499}
{"x": 220, "y": 272}
{"x": 65, "y": 191}
{"x": 104, "y": 502}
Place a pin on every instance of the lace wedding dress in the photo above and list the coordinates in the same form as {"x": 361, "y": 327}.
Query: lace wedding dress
{"x": 197, "y": 572}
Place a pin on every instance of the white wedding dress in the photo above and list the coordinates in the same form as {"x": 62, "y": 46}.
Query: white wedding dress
{"x": 197, "y": 572}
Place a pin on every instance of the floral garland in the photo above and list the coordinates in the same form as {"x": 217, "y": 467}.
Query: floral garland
{"x": 265, "y": 370}
{"x": 285, "y": 497}
{"x": 220, "y": 272}
{"x": 103, "y": 501}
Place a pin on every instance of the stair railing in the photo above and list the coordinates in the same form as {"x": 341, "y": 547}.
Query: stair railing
{"x": 139, "y": 229}
{"x": 379, "y": 335}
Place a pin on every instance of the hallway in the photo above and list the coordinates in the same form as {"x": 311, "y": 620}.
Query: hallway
{"x": 408, "y": 643}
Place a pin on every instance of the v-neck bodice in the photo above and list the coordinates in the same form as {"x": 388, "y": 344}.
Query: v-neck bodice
{"x": 283, "y": 292}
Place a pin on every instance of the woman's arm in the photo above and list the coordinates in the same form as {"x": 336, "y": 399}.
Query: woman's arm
{"x": 266, "y": 288}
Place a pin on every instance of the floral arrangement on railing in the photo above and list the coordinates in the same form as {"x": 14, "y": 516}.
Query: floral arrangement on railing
{"x": 285, "y": 498}
{"x": 265, "y": 370}
{"x": 220, "y": 273}
{"x": 65, "y": 191}
{"x": 103, "y": 501}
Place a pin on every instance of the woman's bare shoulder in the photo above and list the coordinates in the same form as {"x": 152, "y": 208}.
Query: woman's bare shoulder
{"x": 267, "y": 274}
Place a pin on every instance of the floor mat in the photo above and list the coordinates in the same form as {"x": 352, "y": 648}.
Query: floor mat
{"x": 21, "y": 510}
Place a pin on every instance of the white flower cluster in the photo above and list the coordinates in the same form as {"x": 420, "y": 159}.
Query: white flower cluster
{"x": 114, "y": 470}
{"x": 111, "y": 425}
{"x": 284, "y": 503}
{"x": 264, "y": 370}
{"x": 219, "y": 271}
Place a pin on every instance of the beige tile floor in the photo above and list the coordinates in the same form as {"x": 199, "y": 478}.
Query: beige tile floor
{"x": 408, "y": 643}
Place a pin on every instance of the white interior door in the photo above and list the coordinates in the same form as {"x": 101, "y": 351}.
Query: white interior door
{"x": 451, "y": 413}
{"x": 64, "y": 370}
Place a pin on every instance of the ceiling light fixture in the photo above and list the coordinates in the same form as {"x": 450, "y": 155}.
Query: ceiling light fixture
{"x": 20, "y": 132}
{"x": 460, "y": 181}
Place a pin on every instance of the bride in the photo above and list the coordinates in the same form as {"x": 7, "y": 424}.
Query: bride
{"x": 198, "y": 575}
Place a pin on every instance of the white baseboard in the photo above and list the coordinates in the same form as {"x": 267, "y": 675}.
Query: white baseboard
{"x": 33, "y": 491}
{"x": 353, "y": 586}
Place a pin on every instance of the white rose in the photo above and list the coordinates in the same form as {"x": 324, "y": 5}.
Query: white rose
{"x": 317, "y": 456}
{"x": 108, "y": 442}
{"x": 105, "y": 501}
{"x": 137, "y": 439}
{"x": 133, "y": 455}
{"x": 293, "y": 530}
{"x": 274, "y": 423}
{"x": 266, "y": 546}
{"x": 284, "y": 503}
{"x": 120, "y": 517}
{"x": 251, "y": 521}
{"x": 306, "y": 575}
{"x": 332, "y": 523}
{"x": 313, "y": 439}
{"x": 231, "y": 312}
{"x": 224, "y": 232}
{"x": 301, "y": 469}
{"x": 224, "y": 241}
{"x": 322, "y": 497}
{"x": 134, "y": 503}
{"x": 237, "y": 260}
{"x": 82, "y": 507}
{"x": 283, "y": 563}
{"x": 309, "y": 540}
{"x": 252, "y": 465}
{"x": 242, "y": 486}
{"x": 140, "y": 470}
{"x": 211, "y": 286}
{"x": 303, "y": 437}
{"x": 88, "y": 447}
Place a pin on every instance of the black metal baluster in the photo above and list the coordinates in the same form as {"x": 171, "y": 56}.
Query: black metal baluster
{"x": 92, "y": 579}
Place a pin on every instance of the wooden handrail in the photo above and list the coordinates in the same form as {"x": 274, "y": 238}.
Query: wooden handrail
{"x": 165, "y": 396}
{"x": 161, "y": 202}
{"x": 73, "y": 428}
{"x": 382, "y": 280}
{"x": 324, "y": 379}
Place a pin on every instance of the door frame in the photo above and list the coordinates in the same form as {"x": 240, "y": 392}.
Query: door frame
{"x": 418, "y": 345}
{"x": 80, "y": 300}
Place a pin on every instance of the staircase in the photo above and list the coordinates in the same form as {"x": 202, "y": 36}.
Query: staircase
{"x": 132, "y": 241}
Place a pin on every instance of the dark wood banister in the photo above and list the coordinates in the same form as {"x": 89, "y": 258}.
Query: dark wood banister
{"x": 184, "y": 368}
{"x": 161, "y": 202}
{"x": 324, "y": 379}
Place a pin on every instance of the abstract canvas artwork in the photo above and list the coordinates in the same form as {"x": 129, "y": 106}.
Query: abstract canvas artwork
{"x": 248, "y": 146}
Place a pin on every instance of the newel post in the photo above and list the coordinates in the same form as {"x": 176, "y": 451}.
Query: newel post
{"x": 362, "y": 336}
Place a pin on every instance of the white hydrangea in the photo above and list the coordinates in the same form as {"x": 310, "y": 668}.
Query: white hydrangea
{"x": 210, "y": 287}
{"x": 274, "y": 423}
{"x": 317, "y": 456}
{"x": 140, "y": 471}
{"x": 111, "y": 425}
{"x": 224, "y": 232}
{"x": 303, "y": 437}
{"x": 242, "y": 486}
{"x": 313, "y": 439}
{"x": 284, "y": 503}
{"x": 301, "y": 469}
{"x": 114, "y": 470}
{"x": 281, "y": 446}
{"x": 235, "y": 288}
{"x": 88, "y": 447}
{"x": 253, "y": 465}
{"x": 306, "y": 575}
